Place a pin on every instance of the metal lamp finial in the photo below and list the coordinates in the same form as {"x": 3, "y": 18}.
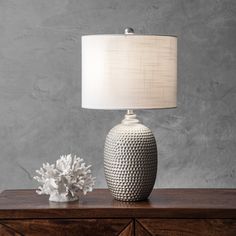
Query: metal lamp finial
{"x": 129, "y": 30}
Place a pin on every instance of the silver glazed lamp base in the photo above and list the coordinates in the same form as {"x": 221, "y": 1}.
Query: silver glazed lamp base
{"x": 130, "y": 160}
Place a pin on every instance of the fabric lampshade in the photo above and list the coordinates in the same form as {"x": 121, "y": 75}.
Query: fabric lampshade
{"x": 129, "y": 71}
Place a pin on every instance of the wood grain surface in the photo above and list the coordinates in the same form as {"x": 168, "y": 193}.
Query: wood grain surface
{"x": 187, "y": 227}
{"x": 62, "y": 227}
{"x": 163, "y": 203}
{"x": 168, "y": 212}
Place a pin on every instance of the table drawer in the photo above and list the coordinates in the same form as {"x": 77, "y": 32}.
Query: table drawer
{"x": 185, "y": 227}
{"x": 70, "y": 227}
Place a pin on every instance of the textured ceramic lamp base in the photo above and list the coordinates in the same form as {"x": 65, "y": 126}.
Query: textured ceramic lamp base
{"x": 130, "y": 160}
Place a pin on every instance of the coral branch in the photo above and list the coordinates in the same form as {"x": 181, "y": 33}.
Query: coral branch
{"x": 64, "y": 180}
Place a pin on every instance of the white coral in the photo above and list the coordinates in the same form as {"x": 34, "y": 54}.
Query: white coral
{"x": 64, "y": 180}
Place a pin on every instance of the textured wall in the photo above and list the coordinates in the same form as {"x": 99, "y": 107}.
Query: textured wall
{"x": 40, "y": 112}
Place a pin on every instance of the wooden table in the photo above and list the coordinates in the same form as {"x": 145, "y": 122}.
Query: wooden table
{"x": 168, "y": 212}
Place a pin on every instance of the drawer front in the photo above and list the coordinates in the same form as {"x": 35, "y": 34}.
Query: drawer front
{"x": 63, "y": 227}
{"x": 185, "y": 227}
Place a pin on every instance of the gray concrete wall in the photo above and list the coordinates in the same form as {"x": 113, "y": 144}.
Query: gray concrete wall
{"x": 40, "y": 111}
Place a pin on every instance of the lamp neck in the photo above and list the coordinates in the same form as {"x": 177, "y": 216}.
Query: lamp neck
{"x": 130, "y": 118}
{"x": 130, "y": 112}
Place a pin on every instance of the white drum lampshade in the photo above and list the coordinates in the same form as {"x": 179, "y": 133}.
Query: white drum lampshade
{"x": 129, "y": 72}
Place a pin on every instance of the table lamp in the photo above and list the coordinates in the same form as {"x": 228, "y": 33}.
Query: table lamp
{"x": 127, "y": 72}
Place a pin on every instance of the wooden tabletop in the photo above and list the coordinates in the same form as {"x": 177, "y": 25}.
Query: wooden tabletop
{"x": 163, "y": 203}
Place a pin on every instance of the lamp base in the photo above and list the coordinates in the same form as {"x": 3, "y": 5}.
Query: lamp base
{"x": 130, "y": 160}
